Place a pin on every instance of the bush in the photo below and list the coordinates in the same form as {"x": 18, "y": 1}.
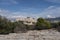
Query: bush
{"x": 58, "y": 26}
{"x": 30, "y": 27}
{"x": 6, "y": 26}
{"x": 19, "y": 27}
{"x": 42, "y": 24}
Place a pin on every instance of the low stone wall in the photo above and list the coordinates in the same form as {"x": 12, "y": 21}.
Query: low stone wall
{"x": 33, "y": 35}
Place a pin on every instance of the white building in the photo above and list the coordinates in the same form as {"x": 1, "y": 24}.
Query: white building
{"x": 27, "y": 21}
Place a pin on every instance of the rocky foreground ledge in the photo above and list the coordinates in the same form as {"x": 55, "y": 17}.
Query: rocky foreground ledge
{"x": 33, "y": 35}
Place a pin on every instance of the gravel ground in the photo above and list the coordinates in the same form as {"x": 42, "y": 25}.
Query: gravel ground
{"x": 33, "y": 35}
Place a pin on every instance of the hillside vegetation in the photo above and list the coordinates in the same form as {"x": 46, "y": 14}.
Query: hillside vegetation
{"x": 6, "y": 26}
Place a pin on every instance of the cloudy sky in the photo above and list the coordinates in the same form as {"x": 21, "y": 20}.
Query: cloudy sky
{"x": 30, "y": 8}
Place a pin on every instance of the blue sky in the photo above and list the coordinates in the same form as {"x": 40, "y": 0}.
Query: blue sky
{"x": 30, "y": 8}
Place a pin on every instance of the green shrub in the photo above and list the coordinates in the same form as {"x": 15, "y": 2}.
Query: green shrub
{"x": 42, "y": 24}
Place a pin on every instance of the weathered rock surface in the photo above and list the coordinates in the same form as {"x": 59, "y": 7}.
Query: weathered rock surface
{"x": 33, "y": 35}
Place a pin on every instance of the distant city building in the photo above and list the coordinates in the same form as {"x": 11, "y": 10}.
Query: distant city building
{"x": 27, "y": 21}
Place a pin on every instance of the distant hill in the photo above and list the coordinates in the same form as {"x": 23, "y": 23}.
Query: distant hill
{"x": 57, "y": 19}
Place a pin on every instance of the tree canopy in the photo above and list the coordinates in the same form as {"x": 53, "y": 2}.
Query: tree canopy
{"x": 42, "y": 24}
{"x": 6, "y": 26}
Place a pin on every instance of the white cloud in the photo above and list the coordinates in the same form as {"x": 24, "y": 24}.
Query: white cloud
{"x": 13, "y": 1}
{"x": 51, "y": 11}
{"x": 49, "y": 16}
{"x": 54, "y": 1}
{"x": 8, "y": 2}
{"x": 17, "y": 14}
{"x": 4, "y": 12}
